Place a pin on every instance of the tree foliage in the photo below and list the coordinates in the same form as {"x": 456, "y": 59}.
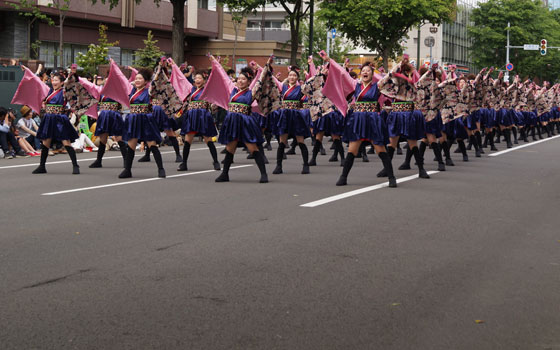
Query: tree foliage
{"x": 530, "y": 22}
{"x": 380, "y": 25}
{"x": 96, "y": 54}
{"x": 150, "y": 54}
{"x": 339, "y": 46}
{"x": 31, "y": 11}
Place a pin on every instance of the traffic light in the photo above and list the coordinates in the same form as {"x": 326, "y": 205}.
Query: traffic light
{"x": 543, "y": 47}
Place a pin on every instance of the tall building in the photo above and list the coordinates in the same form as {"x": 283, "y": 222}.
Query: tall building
{"x": 452, "y": 42}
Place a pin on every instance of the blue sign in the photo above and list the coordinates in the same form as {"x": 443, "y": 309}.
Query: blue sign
{"x": 333, "y": 32}
{"x": 509, "y": 67}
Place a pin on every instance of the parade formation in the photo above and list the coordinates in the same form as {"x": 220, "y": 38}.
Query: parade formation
{"x": 428, "y": 108}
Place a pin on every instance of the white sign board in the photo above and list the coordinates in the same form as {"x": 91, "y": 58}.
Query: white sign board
{"x": 531, "y": 47}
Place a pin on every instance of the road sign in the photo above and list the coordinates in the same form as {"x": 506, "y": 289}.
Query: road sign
{"x": 531, "y": 47}
{"x": 333, "y": 32}
{"x": 429, "y": 41}
{"x": 509, "y": 67}
{"x": 543, "y": 46}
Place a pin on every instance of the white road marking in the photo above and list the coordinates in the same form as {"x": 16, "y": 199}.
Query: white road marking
{"x": 522, "y": 146}
{"x": 138, "y": 154}
{"x": 137, "y": 181}
{"x": 359, "y": 191}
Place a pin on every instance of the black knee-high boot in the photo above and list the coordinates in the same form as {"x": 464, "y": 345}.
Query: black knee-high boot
{"x": 127, "y": 172}
{"x": 224, "y": 176}
{"x": 159, "y": 161}
{"x": 463, "y": 149}
{"x": 279, "y": 158}
{"x": 422, "y": 148}
{"x": 487, "y": 138}
{"x": 388, "y": 166}
{"x": 446, "y": 145}
{"x": 186, "y": 150}
{"x": 41, "y": 169}
{"x": 334, "y": 157}
{"x": 419, "y": 161}
{"x": 476, "y": 149}
{"x": 469, "y": 146}
{"x": 491, "y": 141}
{"x": 145, "y": 157}
{"x": 259, "y": 159}
{"x": 261, "y": 149}
{"x": 305, "y": 157}
{"x": 348, "y": 163}
{"x": 399, "y": 150}
{"x": 214, "y": 155}
{"x": 72, "y": 155}
{"x": 123, "y": 147}
{"x": 478, "y": 138}
{"x": 268, "y": 137}
{"x": 436, "y": 148}
{"x": 175, "y": 145}
{"x": 390, "y": 153}
{"x": 293, "y": 146}
{"x": 523, "y": 135}
{"x": 533, "y": 136}
{"x": 507, "y": 136}
{"x": 549, "y": 129}
{"x": 340, "y": 148}
{"x": 363, "y": 153}
{"x": 316, "y": 149}
{"x": 538, "y": 127}
{"x": 498, "y": 134}
{"x": 100, "y": 153}
{"x": 514, "y": 132}
{"x": 407, "y": 158}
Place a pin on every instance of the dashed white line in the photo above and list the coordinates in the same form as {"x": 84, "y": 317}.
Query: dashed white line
{"x": 359, "y": 191}
{"x": 137, "y": 181}
{"x": 522, "y": 146}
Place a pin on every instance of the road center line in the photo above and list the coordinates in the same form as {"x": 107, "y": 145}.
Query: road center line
{"x": 522, "y": 146}
{"x": 359, "y": 191}
{"x": 89, "y": 159}
{"x": 137, "y": 181}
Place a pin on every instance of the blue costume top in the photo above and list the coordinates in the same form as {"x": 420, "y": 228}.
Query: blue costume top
{"x": 55, "y": 124}
{"x": 198, "y": 120}
{"x": 240, "y": 126}
{"x": 142, "y": 125}
{"x": 292, "y": 121}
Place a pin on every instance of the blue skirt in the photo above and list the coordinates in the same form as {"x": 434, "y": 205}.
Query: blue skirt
{"x": 488, "y": 117}
{"x": 472, "y": 119}
{"x": 434, "y": 126}
{"x": 517, "y": 118}
{"x": 407, "y": 124}
{"x": 331, "y": 124}
{"x": 449, "y": 129}
{"x": 56, "y": 127}
{"x": 199, "y": 121}
{"x": 530, "y": 118}
{"x": 241, "y": 128}
{"x": 365, "y": 126}
{"x": 460, "y": 130}
{"x": 504, "y": 117}
{"x": 545, "y": 117}
{"x": 163, "y": 121}
{"x": 109, "y": 122}
{"x": 292, "y": 122}
{"x": 142, "y": 127}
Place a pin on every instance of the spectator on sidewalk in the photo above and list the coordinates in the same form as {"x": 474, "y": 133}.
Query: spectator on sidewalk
{"x": 27, "y": 127}
{"x": 7, "y": 137}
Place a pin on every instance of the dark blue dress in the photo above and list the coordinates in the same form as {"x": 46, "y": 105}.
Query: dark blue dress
{"x": 56, "y": 126}
{"x": 237, "y": 126}
{"x": 163, "y": 121}
{"x": 292, "y": 121}
{"x": 365, "y": 126}
{"x": 409, "y": 124}
{"x": 141, "y": 126}
{"x": 198, "y": 120}
{"x": 109, "y": 122}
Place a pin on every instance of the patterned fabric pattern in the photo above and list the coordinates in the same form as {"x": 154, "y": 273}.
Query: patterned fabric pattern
{"x": 77, "y": 96}
{"x": 109, "y": 106}
{"x": 319, "y": 104}
{"x": 163, "y": 93}
{"x": 266, "y": 92}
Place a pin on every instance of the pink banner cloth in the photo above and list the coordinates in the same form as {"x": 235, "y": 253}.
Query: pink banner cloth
{"x": 133, "y": 73}
{"x": 218, "y": 87}
{"x": 181, "y": 84}
{"x": 339, "y": 84}
{"x": 117, "y": 86}
{"x": 31, "y": 91}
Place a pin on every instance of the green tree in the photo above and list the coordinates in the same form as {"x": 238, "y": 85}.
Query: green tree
{"x": 339, "y": 46}
{"x": 149, "y": 55}
{"x": 96, "y": 54}
{"x": 380, "y": 25}
{"x": 31, "y": 11}
{"x": 530, "y": 22}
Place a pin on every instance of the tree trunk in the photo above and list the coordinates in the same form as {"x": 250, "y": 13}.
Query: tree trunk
{"x": 236, "y": 28}
{"x": 385, "y": 56}
{"x": 178, "y": 31}
{"x": 61, "y": 42}
{"x": 262, "y": 23}
{"x": 294, "y": 33}
{"x": 29, "y": 23}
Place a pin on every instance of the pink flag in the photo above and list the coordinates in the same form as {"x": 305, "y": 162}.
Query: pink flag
{"x": 339, "y": 84}
{"x": 254, "y": 82}
{"x": 93, "y": 89}
{"x": 133, "y": 73}
{"x": 312, "y": 71}
{"x": 117, "y": 86}
{"x": 31, "y": 91}
{"x": 181, "y": 84}
{"x": 218, "y": 87}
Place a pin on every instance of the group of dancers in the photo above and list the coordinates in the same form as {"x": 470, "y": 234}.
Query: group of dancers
{"x": 427, "y": 108}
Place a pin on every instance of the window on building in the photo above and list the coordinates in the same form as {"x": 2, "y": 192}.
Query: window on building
{"x": 203, "y": 4}
{"x": 415, "y": 41}
{"x": 127, "y": 57}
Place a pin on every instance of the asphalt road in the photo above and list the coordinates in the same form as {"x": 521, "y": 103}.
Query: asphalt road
{"x": 469, "y": 259}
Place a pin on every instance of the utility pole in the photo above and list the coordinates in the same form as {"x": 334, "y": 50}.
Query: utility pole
{"x": 328, "y": 42}
{"x": 506, "y": 75}
{"x": 311, "y": 13}
{"x": 418, "y": 48}
{"x": 263, "y": 17}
